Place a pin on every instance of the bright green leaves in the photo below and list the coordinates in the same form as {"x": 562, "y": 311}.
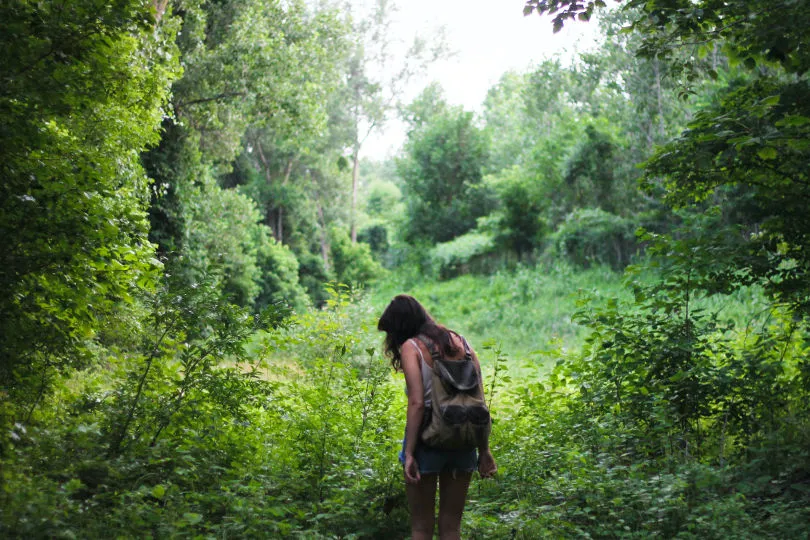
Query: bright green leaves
{"x": 250, "y": 109}
{"x": 158, "y": 491}
{"x": 754, "y": 34}
{"x": 767, "y": 152}
{"x": 86, "y": 89}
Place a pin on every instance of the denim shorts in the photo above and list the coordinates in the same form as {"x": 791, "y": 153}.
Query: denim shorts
{"x": 434, "y": 461}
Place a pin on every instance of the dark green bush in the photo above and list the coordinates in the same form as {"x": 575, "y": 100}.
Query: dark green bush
{"x": 592, "y": 236}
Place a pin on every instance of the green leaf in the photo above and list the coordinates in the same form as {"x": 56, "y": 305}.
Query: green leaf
{"x": 794, "y": 120}
{"x": 678, "y": 376}
{"x": 158, "y": 491}
{"x": 771, "y": 100}
{"x": 192, "y": 518}
{"x": 767, "y": 152}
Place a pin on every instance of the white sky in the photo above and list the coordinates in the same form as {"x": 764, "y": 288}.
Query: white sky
{"x": 489, "y": 38}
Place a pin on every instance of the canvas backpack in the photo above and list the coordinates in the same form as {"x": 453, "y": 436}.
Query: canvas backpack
{"x": 458, "y": 417}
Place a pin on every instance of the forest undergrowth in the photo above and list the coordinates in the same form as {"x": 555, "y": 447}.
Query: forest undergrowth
{"x": 294, "y": 432}
{"x": 185, "y": 183}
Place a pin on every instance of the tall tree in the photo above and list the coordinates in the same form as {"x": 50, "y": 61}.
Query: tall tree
{"x": 83, "y": 91}
{"x": 377, "y": 74}
{"x": 256, "y": 73}
{"x": 751, "y": 140}
{"x": 442, "y": 171}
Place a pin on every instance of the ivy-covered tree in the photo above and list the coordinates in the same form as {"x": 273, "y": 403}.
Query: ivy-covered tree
{"x": 256, "y": 76}
{"x": 84, "y": 89}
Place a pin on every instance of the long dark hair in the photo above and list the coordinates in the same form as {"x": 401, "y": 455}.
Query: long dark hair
{"x": 405, "y": 318}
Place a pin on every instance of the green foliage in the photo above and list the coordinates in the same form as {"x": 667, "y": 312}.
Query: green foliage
{"x": 223, "y": 232}
{"x": 376, "y": 236}
{"x": 591, "y": 174}
{"x": 385, "y": 211}
{"x": 592, "y": 236}
{"x": 425, "y": 107}
{"x": 280, "y": 277}
{"x": 528, "y": 308}
{"x": 313, "y": 277}
{"x": 750, "y": 32}
{"x": 752, "y": 142}
{"x": 352, "y": 263}
{"x": 507, "y": 120}
{"x": 129, "y": 442}
{"x": 256, "y": 82}
{"x": 675, "y": 405}
{"x": 84, "y": 89}
{"x": 240, "y": 53}
{"x": 522, "y": 224}
{"x": 461, "y": 255}
{"x": 383, "y": 199}
{"x": 442, "y": 174}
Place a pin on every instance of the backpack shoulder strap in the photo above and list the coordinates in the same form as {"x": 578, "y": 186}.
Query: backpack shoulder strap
{"x": 467, "y": 350}
{"x": 434, "y": 350}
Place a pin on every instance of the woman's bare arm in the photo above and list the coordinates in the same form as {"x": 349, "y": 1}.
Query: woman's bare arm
{"x": 416, "y": 400}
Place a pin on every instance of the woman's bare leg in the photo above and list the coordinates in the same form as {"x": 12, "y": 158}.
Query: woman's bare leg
{"x": 422, "y": 502}
{"x": 452, "y": 496}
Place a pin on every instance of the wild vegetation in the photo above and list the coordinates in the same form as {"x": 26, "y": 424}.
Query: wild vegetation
{"x": 196, "y": 253}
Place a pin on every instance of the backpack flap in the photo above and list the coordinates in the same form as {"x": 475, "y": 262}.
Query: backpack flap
{"x": 458, "y": 375}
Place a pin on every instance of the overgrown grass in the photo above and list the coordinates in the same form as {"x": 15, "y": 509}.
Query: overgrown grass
{"x": 303, "y": 444}
{"x": 527, "y": 310}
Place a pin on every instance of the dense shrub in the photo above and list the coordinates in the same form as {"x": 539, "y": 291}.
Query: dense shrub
{"x": 592, "y": 236}
{"x": 466, "y": 253}
{"x": 376, "y": 236}
{"x": 521, "y": 220}
{"x": 279, "y": 281}
{"x": 352, "y": 262}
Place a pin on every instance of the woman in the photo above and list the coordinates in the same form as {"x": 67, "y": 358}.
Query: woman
{"x": 409, "y": 329}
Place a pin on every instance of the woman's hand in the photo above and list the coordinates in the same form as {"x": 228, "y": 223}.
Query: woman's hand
{"x": 486, "y": 464}
{"x": 411, "y": 469}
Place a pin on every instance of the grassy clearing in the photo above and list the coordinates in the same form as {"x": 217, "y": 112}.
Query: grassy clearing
{"x": 527, "y": 311}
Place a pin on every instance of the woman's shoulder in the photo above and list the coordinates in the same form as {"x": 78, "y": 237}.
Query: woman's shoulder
{"x": 418, "y": 345}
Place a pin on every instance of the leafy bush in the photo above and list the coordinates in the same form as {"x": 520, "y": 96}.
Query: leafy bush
{"x": 313, "y": 277}
{"x": 352, "y": 262}
{"x": 592, "y": 236}
{"x": 85, "y": 89}
{"x": 376, "y": 236}
{"x": 522, "y": 225}
{"x": 442, "y": 173}
{"x": 462, "y": 254}
{"x": 279, "y": 281}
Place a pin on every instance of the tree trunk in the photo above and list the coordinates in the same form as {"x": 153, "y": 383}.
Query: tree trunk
{"x": 274, "y": 223}
{"x": 659, "y": 92}
{"x": 353, "y": 209}
{"x": 280, "y": 212}
{"x": 160, "y": 9}
{"x": 324, "y": 235}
